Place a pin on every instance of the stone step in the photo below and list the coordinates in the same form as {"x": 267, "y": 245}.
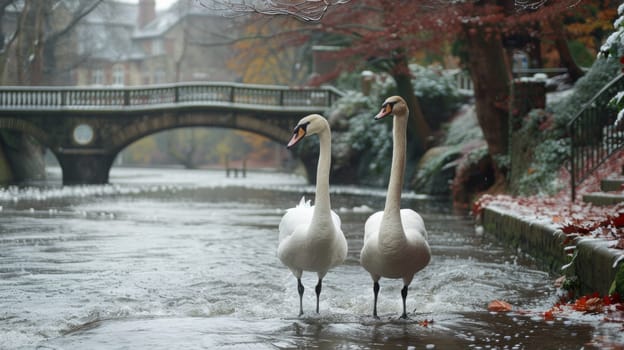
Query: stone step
{"x": 603, "y": 198}
{"x": 612, "y": 184}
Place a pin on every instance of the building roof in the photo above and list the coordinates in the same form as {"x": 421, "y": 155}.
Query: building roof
{"x": 110, "y": 32}
{"x": 114, "y": 13}
{"x": 168, "y": 18}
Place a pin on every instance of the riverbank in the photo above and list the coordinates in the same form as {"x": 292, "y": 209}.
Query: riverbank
{"x": 589, "y": 261}
{"x": 582, "y": 240}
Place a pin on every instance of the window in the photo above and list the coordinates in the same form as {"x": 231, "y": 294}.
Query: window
{"x": 97, "y": 77}
{"x": 157, "y": 47}
{"x": 118, "y": 75}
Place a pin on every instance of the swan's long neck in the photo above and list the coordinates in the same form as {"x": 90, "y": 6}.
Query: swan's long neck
{"x": 322, "y": 206}
{"x": 392, "y": 210}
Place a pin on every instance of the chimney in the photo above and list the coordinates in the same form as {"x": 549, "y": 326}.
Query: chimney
{"x": 147, "y": 12}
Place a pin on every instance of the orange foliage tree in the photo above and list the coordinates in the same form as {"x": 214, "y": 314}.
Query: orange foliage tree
{"x": 262, "y": 57}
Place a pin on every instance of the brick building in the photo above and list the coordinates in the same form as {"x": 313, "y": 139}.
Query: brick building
{"x": 132, "y": 44}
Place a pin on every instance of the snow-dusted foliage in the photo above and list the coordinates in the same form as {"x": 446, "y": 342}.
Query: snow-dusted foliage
{"x": 464, "y": 128}
{"x": 430, "y": 82}
{"x": 542, "y": 175}
{"x": 462, "y": 145}
{"x": 361, "y": 143}
{"x": 539, "y": 149}
{"x": 614, "y": 48}
{"x": 373, "y": 136}
{"x": 351, "y": 103}
{"x": 437, "y": 93}
{"x": 360, "y": 133}
{"x": 618, "y": 102}
{"x": 614, "y": 45}
{"x": 602, "y": 71}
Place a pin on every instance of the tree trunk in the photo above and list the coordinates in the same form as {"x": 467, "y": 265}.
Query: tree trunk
{"x": 491, "y": 75}
{"x": 565, "y": 56}
{"x": 419, "y": 132}
{"x": 36, "y": 68}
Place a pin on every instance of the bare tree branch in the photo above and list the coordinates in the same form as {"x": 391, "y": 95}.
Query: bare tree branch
{"x": 532, "y": 5}
{"x": 7, "y": 43}
{"x": 304, "y": 10}
{"x": 84, "y": 9}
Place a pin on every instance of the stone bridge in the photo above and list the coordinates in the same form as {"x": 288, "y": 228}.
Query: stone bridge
{"x": 86, "y": 128}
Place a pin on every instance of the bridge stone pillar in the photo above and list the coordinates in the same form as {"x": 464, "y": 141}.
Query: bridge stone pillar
{"x": 81, "y": 169}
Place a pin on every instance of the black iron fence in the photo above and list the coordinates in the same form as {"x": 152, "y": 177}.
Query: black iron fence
{"x": 594, "y": 137}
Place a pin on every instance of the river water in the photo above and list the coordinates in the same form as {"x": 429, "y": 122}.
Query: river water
{"x": 176, "y": 259}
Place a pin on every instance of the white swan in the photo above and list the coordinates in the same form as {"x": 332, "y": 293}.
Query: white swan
{"x": 310, "y": 238}
{"x": 395, "y": 240}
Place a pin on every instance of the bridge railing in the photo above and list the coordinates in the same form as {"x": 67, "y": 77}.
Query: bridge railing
{"x": 40, "y": 97}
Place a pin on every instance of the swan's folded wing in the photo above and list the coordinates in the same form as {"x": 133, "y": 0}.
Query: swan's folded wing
{"x": 300, "y": 215}
{"x": 372, "y": 224}
{"x": 413, "y": 221}
{"x": 336, "y": 220}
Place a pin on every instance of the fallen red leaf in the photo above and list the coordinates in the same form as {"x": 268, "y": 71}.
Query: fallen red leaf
{"x": 594, "y": 305}
{"x": 499, "y": 306}
{"x": 581, "y": 228}
{"x": 617, "y": 220}
{"x": 426, "y": 323}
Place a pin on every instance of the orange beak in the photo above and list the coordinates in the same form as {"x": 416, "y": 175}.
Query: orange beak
{"x": 297, "y": 136}
{"x": 386, "y": 110}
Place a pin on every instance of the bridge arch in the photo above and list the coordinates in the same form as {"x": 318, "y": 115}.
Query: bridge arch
{"x": 140, "y": 128}
{"x": 26, "y": 127}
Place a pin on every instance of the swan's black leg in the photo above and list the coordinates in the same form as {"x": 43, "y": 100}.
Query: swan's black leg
{"x": 375, "y": 293}
{"x": 319, "y": 285}
{"x": 404, "y": 296}
{"x": 300, "y": 289}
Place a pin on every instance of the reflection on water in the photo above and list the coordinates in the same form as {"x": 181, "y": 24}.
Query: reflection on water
{"x": 165, "y": 259}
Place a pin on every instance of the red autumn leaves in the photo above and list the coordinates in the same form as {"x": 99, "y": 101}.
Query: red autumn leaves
{"x": 574, "y": 219}
{"x": 610, "y": 227}
{"x": 610, "y": 306}
{"x": 584, "y": 227}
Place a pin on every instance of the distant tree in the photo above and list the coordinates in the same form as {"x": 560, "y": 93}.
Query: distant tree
{"x": 581, "y": 33}
{"x": 183, "y": 146}
{"x": 257, "y": 148}
{"x": 263, "y": 57}
{"x": 141, "y": 152}
{"x": 565, "y": 55}
{"x": 34, "y": 38}
{"x": 591, "y": 23}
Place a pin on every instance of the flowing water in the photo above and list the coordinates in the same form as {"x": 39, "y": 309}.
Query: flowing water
{"x": 174, "y": 259}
